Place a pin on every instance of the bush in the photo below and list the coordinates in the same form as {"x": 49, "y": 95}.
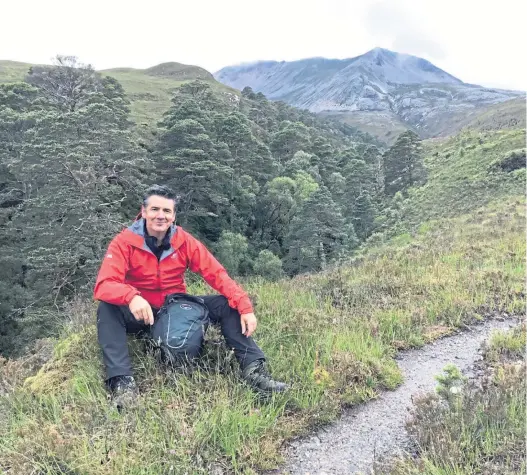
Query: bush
{"x": 268, "y": 265}
{"x": 231, "y": 250}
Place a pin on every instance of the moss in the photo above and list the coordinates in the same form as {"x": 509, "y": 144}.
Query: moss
{"x": 73, "y": 358}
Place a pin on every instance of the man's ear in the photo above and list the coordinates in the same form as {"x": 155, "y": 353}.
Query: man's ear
{"x": 143, "y": 212}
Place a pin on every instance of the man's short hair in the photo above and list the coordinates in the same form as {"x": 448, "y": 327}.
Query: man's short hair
{"x": 159, "y": 190}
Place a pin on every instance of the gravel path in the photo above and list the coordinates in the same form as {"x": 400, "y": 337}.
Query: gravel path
{"x": 377, "y": 427}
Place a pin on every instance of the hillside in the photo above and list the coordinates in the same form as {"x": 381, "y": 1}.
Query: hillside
{"x": 149, "y": 90}
{"x": 504, "y": 115}
{"x": 385, "y": 126}
{"x": 469, "y": 171}
{"x": 420, "y": 95}
{"x": 12, "y": 71}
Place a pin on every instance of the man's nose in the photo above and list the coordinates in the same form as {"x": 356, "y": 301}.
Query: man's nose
{"x": 160, "y": 214}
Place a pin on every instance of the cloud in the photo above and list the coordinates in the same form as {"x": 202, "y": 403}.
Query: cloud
{"x": 396, "y": 24}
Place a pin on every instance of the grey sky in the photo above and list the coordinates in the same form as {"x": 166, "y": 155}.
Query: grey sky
{"x": 476, "y": 42}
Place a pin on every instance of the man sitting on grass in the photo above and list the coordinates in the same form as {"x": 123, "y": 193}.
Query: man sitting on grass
{"x": 144, "y": 264}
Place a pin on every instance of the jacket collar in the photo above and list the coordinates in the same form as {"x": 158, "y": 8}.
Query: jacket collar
{"x": 135, "y": 235}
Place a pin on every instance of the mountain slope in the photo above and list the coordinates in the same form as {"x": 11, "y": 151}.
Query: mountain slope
{"x": 150, "y": 90}
{"x": 421, "y": 95}
{"x": 504, "y": 115}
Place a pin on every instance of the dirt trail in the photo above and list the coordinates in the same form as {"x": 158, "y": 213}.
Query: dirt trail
{"x": 377, "y": 427}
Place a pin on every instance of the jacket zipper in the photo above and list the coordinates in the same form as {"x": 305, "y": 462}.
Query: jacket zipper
{"x": 158, "y": 275}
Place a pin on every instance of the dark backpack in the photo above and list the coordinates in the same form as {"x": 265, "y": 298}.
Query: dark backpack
{"x": 180, "y": 327}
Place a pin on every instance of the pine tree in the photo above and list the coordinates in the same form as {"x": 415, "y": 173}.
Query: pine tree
{"x": 318, "y": 235}
{"x": 76, "y": 176}
{"x": 403, "y": 165}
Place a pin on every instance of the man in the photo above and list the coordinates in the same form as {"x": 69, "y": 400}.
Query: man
{"x": 144, "y": 264}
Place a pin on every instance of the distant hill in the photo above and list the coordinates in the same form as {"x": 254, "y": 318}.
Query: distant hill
{"x": 149, "y": 89}
{"x": 397, "y": 90}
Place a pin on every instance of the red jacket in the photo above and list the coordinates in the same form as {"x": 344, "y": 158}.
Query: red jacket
{"x": 130, "y": 268}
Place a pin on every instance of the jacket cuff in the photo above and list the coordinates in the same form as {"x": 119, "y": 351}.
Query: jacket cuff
{"x": 130, "y": 295}
{"x": 245, "y": 306}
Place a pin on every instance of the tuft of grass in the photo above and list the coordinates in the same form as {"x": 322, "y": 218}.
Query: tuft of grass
{"x": 504, "y": 346}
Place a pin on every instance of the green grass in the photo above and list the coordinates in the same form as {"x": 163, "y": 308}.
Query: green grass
{"x": 480, "y": 430}
{"x": 332, "y": 336}
{"x": 462, "y": 176}
{"x": 150, "y": 90}
{"x": 13, "y": 71}
{"x": 149, "y": 95}
{"x": 504, "y": 346}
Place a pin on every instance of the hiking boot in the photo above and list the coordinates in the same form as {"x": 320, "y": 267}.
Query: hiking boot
{"x": 259, "y": 379}
{"x": 124, "y": 391}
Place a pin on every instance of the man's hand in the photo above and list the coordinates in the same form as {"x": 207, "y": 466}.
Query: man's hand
{"x": 141, "y": 310}
{"x": 248, "y": 321}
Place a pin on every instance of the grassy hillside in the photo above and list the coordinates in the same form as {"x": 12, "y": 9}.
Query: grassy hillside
{"x": 465, "y": 172}
{"x": 452, "y": 252}
{"x": 12, "y": 71}
{"x": 149, "y": 90}
{"x": 469, "y": 170}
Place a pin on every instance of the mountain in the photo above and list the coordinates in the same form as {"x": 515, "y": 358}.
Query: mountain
{"x": 380, "y": 85}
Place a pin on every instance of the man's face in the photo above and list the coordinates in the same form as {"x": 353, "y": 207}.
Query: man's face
{"x": 159, "y": 214}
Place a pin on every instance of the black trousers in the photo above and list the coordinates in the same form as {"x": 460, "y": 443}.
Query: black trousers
{"x": 114, "y": 322}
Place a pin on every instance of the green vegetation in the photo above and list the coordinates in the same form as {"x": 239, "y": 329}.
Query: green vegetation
{"x": 464, "y": 172}
{"x": 481, "y": 427}
{"x": 506, "y": 346}
{"x": 73, "y": 171}
{"x": 149, "y": 90}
